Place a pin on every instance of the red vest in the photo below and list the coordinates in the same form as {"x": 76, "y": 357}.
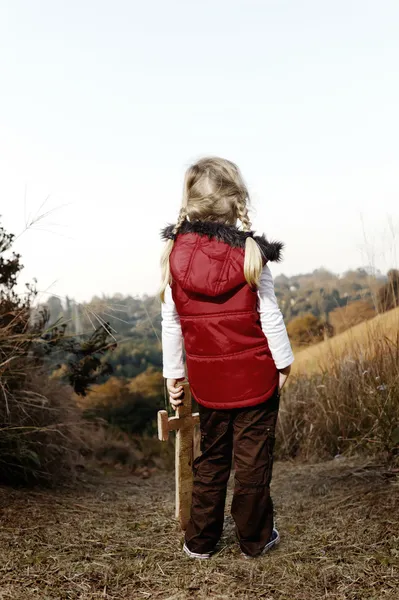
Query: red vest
{"x": 229, "y": 363}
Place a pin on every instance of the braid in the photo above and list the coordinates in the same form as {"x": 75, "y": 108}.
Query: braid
{"x": 242, "y": 212}
{"x": 180, "y": 220}
{"x": 253, "y": 261}
{"x": 165, "y": 267}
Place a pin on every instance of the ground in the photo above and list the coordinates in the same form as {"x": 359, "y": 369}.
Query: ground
{"x": 113, "y": 537}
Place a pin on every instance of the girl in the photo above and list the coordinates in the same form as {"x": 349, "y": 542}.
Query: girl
{"x": 218, "y": 296}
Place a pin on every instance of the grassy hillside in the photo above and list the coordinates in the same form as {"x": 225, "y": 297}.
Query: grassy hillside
{"x": 343, "y": 396}
{"x": 318, "y": 357}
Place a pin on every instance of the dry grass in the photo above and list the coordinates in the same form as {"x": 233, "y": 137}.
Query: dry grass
{"x": 351, "y": 402}
{"x": 114, "y": 538}
{"x": 39, "y": 441}
{"x": 317, "y": 357}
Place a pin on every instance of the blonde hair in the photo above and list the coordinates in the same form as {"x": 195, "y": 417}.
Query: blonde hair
{"x": 214, "y": 190}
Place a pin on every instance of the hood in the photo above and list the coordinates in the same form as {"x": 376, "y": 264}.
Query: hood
{"x": 208, "y": 258}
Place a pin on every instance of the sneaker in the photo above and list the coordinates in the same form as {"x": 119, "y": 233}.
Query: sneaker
{"x": 274, "y": 541}
{"x": 204, "y": 556}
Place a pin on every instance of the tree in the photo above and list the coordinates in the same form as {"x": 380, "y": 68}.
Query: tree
{"x": 55, "y": 309}
{"x": 388, "y": 295}
{"x": 13, "y": 308}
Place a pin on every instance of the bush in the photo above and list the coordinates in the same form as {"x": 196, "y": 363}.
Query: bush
{"x": 39, "y": 436}
{"x": 39, "y": 423}
{"x": 352, "y": 405}
{"x": 307, "y": 329}
{"x": 131, "y": 405}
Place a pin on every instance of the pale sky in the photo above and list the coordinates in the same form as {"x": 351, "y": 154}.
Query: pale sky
{"x": 103, "y": 104}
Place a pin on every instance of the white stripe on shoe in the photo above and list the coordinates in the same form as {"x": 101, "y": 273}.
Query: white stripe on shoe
{"x": 195, "y": 554}
{"x": 274, "y": 541}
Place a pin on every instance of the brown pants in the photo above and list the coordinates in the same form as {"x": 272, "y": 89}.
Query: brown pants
{"x": 250, "y": 433}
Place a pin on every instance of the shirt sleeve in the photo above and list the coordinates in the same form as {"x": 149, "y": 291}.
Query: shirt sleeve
{"x": 172, "y": 339}
{"x": 272, "y": 322}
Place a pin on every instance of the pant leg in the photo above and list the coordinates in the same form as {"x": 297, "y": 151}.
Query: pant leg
{"x": 211, "y": 474}
{"x": 252, "y": 506}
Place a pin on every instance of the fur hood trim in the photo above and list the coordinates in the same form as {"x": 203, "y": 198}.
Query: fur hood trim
{"x": 229, "y": 234}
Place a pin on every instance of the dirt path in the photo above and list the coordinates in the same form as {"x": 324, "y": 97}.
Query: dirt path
{"x": 114, "y": 539}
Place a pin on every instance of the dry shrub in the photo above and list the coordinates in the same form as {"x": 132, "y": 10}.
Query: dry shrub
{"x": 305, "y": 330}
{"x": 39, "y": 437}
{"x": 40, "y": 424}
{"x": 105, "y": 445}
{"x": 350, "y": 405}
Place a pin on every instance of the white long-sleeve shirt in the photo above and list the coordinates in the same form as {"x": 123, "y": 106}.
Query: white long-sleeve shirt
{"x": 270, "y": 317}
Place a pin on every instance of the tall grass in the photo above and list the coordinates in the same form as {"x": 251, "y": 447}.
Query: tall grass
{"x": 350, "y": 404}
{"x": 38, "y": 434}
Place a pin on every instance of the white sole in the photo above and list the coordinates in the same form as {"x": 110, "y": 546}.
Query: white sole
{"x": 195, "y": 554}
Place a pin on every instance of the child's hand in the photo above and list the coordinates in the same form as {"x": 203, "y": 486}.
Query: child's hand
{"x": 283, "y": 376}
{"x": 175, "y": 391}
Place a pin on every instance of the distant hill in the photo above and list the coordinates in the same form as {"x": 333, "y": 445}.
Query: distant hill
{"x": 321, "y": 291}
{"x": 135, "y": 322}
